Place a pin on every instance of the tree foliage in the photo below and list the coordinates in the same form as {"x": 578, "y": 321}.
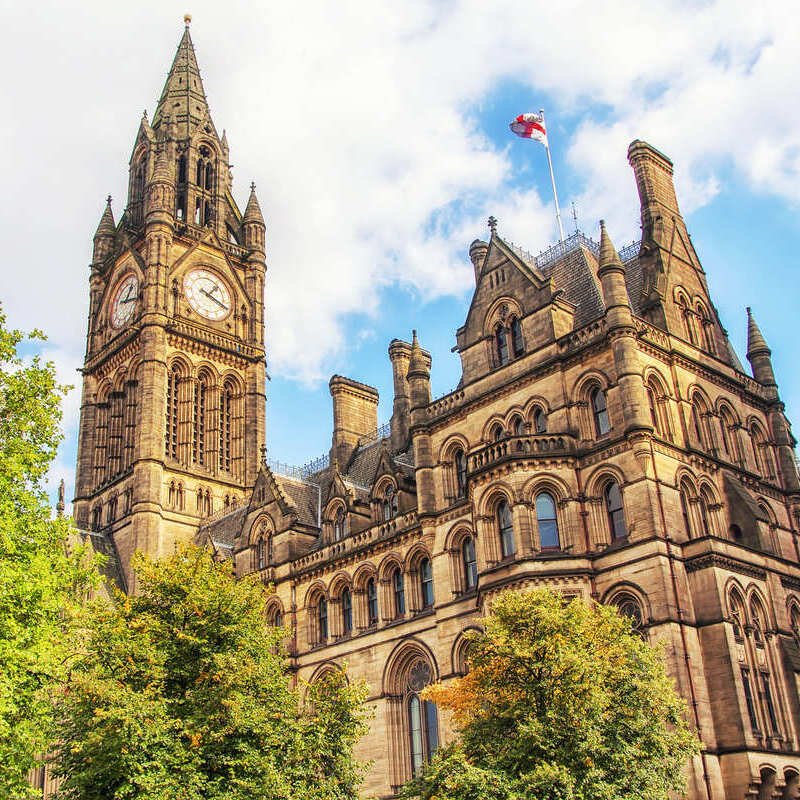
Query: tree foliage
{"x": 563, "y": 701}
{"x": 40, "y": 577}
{"x": 183, "y": 693}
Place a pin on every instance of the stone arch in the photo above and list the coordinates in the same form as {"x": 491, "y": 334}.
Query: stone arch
{"x": 459, "y": 652}
{"x": 404, "y": 654}
{"x": 626, "y": 592}
{"x": 495, "y": 422}
{"x": 315, "y": 590}
{"x": 493, "y": 315}
{"x": 409, "y": 668}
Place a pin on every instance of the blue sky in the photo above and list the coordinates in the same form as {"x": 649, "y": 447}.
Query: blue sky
{"x": 377, "y": 133}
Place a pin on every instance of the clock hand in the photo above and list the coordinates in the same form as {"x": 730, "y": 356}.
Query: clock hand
{"x": 211, "y": 296}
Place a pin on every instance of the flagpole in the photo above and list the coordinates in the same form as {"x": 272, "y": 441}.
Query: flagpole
{"x": 552, "y": 177}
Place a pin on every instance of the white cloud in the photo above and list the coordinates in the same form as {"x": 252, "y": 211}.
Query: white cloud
{"x": 359, "y": 122}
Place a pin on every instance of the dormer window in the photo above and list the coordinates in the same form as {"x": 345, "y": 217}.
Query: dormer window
{"x": 338, "y": 524}
{"x": 389, "y": 503}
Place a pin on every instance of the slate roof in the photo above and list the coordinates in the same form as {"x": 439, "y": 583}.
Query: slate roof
{"x": 306, "y": 498}
{"x": 223, "y": 531}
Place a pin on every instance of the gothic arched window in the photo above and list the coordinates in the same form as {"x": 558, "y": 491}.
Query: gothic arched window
{"x": 547, "y": 520}
{"x": 399, "y": 591}
{"x": 225, "y": 422}
{"x": 171, "y": 428}
{"x": 497, "y": 433}
{"x": 469, "y": 563}
{"x": 261, "y": 553}
{"x": 501, "y": 345}
{"x": 426, "y": 582}
{"x": 517, "y": 343}
{"x": 614, "y": 511}
{"x": 602, "y": 424}
{"x": 517, "y": 425}
{"x": 685, "y": 493}
{"x": 423, "y": 723}
{"x": 629, "y": 607}
{"x": 505, "y": 529}
{"x": 338, "y": 524}
{"x": 704, "y": 502}
{"x": 389, "y": 503}
{"x": 460, "y": 462}
{"x": 322, "y": 620}
{"x": 372, "y": 603}
{"x": 346, "y": 601}
{"x": 199, "y": 410}
{"x": 539, "y": 421}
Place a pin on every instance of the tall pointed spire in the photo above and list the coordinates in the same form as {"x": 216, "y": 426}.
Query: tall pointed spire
{"x": 106, "y": 226}
{"x": 758, "y": 354}
{"x": 252, "y": 212}
{"x": 609, "y": 257}
{"x": 756, "y": 343}
{"x": 183, "y": 96}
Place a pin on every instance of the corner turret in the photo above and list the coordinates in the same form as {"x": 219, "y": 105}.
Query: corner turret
{"x": 253, "y": 227}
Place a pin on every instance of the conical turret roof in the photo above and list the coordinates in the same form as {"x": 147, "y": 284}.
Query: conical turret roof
{"x": 756, "y": 343}
{"x": 183, "y": 96}
{"x": 107, "y": 226}
{"x": 609, "y": 257}
{"x": 418, "y": 364}
{"x": 253, "y": 211}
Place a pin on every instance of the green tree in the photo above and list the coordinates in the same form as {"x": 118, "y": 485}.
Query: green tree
{"x": 40, "y": 577}
{"x": 183, "y": 693}
{"x": 563, "y": 701}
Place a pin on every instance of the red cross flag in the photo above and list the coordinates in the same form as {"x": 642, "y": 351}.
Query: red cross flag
{"x": 530, "y": 126}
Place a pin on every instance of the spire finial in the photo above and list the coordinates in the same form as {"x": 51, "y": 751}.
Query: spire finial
{"x": 108, "y": 203}
{"x": 187, "y": 20}
{"x": 492, "y": 223}
{"x": 252, "y": 186}
{"x": 263, "y": 450}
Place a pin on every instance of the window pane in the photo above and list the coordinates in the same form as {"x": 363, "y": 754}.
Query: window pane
{"x": 431, "y": 730}
{"x": 426, "y": 578}
{"x": 415, "y": 732}
{"x": 506, "y": 529}
{"x": 399, "y": 593}
{"x": 748, "y": 696}
{"x": 540, "y": 421}
{"x": 470, "y": 567}
{"x": 347, "y": 612}
{"x": 546, "y": 520}
{"x": 501, "y": 344}
{"x": 322, "y": 611}
{"x": 773, "y": 719}
{"x": 372, "y": 602}
{"x": 616, "y": 515}
{"x": 516, "y": 337}
{"x": 461, "y": 473}
{"x": 601, "y": 421}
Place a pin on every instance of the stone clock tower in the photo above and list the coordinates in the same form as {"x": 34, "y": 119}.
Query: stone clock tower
{"x": 173, "y": 406}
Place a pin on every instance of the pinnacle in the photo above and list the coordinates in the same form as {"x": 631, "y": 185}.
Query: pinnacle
{"x": 183, "y": 96}
{"x": 609, "y": 257}
{"x": 756, "y": 343}
{"x": 107, "y": 226}
{"x": 253, "y": 211}
{"x": 417, "y": 364}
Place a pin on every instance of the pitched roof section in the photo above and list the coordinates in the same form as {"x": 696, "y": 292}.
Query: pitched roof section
{"x": 183, "y": 98}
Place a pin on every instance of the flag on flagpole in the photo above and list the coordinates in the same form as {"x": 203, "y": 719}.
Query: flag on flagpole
{"x": 530, "y": 126}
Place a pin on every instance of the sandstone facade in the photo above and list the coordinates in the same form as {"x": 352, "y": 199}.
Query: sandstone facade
{"x": 604, "y": 440}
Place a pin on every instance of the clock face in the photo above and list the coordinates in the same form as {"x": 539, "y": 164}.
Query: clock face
{"x": 125, "y": 301}
{"x": 207, "y": 294}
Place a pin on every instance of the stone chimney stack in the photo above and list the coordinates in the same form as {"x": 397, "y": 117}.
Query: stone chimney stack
{"x": 653, "y": 172}
{"x": 355, "y": 415}
{"x": 400, "y": 356}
